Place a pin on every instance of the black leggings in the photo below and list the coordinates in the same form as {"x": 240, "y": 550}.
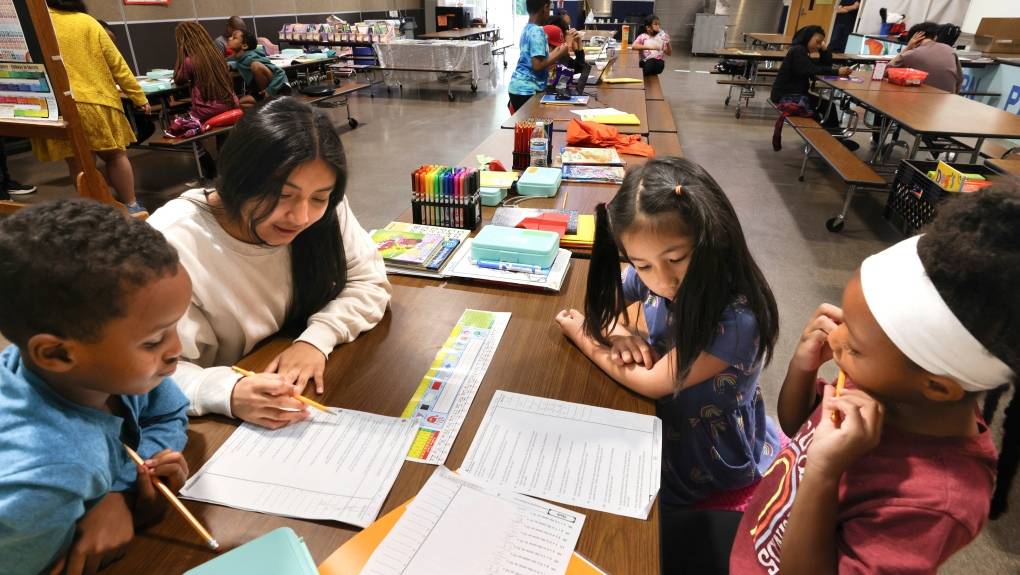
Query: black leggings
{"x": 696, "y": 541}
{"x": 653, "y": 66}
{"x": 518, "y": 100}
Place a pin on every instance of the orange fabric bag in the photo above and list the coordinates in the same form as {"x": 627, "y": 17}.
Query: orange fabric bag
{"x": 593, "y": 134}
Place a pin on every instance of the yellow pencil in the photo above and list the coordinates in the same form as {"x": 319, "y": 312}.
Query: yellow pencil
{"x": 840, "y": 382}
{"x": 566, "y": 196}
{"x": 162, "y": 488}
{"x": 301, "y": 398}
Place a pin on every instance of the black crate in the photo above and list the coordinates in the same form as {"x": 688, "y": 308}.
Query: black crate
{"x": 914, "y": 199}
{"x": 465, "y": 214}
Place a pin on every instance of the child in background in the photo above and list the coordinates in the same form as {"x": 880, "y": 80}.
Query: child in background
{"x": 532, "y": 71}
{"x": 90, "y": 299}
{"x": 200, "y": 65}
{"x": 233, "y": 24}
{"x": 275, "y": 246}
{"x": 260, "y": 75}
{"x": 896, "y": 473}
{"x": 925, "y": 52}
{"x": 653, "y": 44}
{"x": 711, "y": 322}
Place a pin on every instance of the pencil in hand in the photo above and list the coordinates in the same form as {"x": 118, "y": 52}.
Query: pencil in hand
{"x": 301, "y": 398}
{"x": 840, "y": 382}
{"x": 176, "y": 503}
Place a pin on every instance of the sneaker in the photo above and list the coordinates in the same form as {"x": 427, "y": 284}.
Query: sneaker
{"x": 17, "y": 189}
{"x": 136, "y": 209}
{"x": 850, "y": 144}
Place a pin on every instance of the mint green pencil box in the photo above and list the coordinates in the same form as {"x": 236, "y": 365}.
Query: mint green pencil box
{"x": 516, "y": 246}
{"x": 540, "y": 182}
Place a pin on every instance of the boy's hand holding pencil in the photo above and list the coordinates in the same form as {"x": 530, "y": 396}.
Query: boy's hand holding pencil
{"x": 167, "y": 466}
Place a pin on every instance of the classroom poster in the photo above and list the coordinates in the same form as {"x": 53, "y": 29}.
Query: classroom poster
{"x": 25, "y": 93}
{"x": 25, "y": 89}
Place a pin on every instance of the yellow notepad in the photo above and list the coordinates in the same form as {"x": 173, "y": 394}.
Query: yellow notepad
{"x": 617, "y": 119}
{"x": 621, "y": 80}
{"x": 585, "y": 236}
{"x": 490, "y": 179}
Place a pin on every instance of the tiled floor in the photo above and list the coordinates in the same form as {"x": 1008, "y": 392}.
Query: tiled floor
{"x": 783, "y": 218}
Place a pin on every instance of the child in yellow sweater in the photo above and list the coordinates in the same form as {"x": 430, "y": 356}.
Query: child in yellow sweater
{"x": 95, "y": 68}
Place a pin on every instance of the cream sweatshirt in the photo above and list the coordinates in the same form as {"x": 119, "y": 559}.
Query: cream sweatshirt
{"x": 240, "y": 294}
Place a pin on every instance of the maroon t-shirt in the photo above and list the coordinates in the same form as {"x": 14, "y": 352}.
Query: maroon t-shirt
{"x": 903, "y": 508}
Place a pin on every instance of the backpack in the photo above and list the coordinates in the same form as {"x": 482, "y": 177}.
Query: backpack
{"x": 183, "y": 126}
{"x": 731, "y": 67}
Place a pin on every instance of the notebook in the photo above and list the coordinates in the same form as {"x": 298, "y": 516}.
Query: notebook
{"x": 585, "y": 236}
{"x": 416, "y": 246}
{"x": 279, "y": 552}
{"x": 593, "y": 174}
{"x": 591, "y": 156}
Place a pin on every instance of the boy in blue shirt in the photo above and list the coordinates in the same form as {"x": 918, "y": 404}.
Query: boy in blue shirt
{"x": 532, "y": 71}
{"x": 90, "y": 299}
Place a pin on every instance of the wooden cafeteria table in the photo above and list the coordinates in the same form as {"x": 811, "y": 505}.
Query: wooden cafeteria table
{"x": 768, "y": 40}
{"x": 378, "y": 373}
{"x": 943, "y": 115}
{"x": 462, "y": 33}
{"x": 632, "y": 101}
{"x": 867, "y": 84}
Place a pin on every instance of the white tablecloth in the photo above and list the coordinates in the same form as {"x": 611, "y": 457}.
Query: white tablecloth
{"x": 471, "y": 57}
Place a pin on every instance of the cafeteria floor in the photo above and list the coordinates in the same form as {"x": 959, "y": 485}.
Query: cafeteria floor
{"x": 782, "y": 218}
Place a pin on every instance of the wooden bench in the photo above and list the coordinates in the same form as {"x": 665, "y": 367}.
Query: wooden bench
{"x": 342, "y": 92}
{"x": 665, "y": 144}
{"x": 653, "y": 88}
{"x": 845, "y": 163}
{"x": 992, "y": 149}
{"x": 660, "y": 116}
{"x": 162, "y": 141}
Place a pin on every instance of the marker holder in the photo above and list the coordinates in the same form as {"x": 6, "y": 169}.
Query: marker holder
{"x": 465, "y": 213}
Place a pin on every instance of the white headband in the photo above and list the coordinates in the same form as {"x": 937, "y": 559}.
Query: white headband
{"x": 916, "y": 319}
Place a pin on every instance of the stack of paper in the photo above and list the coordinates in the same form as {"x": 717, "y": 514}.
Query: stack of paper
{"x": 337, "y": 466}
{"x": 608, "y": 116}
{"x": 576, "y": 454}
{"x": 462, "y": 266}
{"x": 455, "y": 526}
{"x": 409, "y": 247}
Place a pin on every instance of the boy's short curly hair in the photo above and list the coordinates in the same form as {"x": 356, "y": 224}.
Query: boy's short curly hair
{"x": 68, "y": 267}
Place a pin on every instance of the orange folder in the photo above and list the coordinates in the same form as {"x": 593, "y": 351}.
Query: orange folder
{"x": 352, "y": 556}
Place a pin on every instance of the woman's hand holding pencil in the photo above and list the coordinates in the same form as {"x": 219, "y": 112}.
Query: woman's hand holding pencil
{"x": 266, "y": 399}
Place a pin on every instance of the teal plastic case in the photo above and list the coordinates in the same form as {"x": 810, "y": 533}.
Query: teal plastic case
{"x": 516, "y": 246}
{"x": 492, "y": 196}
{"x": 541, "y": 182}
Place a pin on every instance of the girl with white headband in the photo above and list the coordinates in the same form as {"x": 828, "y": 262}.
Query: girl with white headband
{"x": 897, "y": 473}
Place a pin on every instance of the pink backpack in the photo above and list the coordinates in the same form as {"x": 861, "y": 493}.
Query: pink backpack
{"x": 183, "y": 126}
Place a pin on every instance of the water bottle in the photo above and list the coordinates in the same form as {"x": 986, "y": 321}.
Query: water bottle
{"x": 539, "y": 146}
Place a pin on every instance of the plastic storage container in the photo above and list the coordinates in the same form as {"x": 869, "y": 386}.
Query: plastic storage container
{"x": 541, "y": 182}
{"x": 516, "y": 246}
{"x": 914, "y": 198}
{"x": 492, "y": 196}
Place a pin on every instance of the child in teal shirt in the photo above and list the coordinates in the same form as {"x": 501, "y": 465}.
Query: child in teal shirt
{"x": 260, "y": 75}
{"x": 91, "y": 300}
{"x": 532, "y": 71}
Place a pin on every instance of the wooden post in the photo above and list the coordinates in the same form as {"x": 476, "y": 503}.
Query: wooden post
{"x": 90, "y": 182}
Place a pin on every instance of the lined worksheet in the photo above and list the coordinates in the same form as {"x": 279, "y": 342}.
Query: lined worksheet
{"x": 455, "y": 526}
{"x": 592, "y": 457}
{"x": 337, "y": 466}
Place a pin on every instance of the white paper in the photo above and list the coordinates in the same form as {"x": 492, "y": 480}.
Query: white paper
{"x": 455, "y": 526}
{"x": 337, "y": 466}
{"x": 576, "y": 454}
{"x": 444, "y": 395}
{"x": 462, "y": 266}
{"x": 586, "y": 113}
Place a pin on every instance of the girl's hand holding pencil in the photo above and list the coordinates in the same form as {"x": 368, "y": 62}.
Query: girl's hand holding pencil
{"x": 266, "y": 399}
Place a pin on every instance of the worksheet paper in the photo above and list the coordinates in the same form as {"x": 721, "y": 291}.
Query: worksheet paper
{"x": 336, "y": 466}
{"x": 444, "y": 395}
{"x": 576, "y": 454}
{"x": 455, "y": 526}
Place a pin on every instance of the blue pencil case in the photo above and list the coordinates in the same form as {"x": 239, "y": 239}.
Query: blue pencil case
{"x": 516, "y": 246}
